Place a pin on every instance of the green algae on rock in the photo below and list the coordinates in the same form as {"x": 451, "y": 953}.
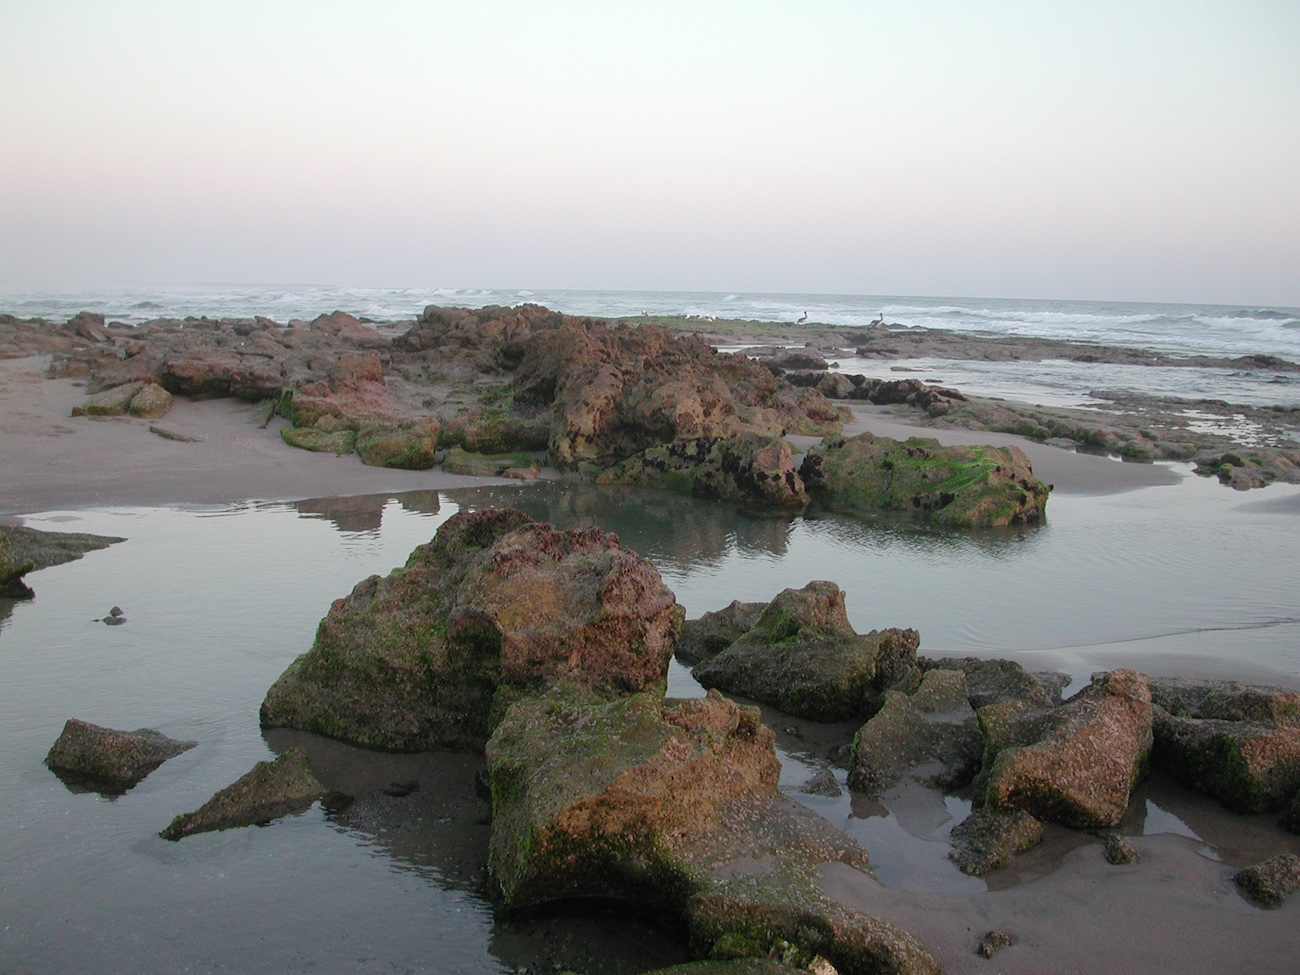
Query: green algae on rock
{"x": 749, "y": 467}
{"x": 804, "y": 657}
{"x": 1273, "y": 880}
{"x": 103, "y": 760}
{"x": 960, "y": 486}
{"x": 407, "y": 446}
{"x": 712, "y": 633}
{"x": 322, "y": 441}
{"x": 413, "y": 661}
{"x": 268, "y": 791}
{"x": 987, "y": 839}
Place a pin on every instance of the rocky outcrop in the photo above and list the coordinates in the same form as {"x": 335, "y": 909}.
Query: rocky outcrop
{"x": 804, "y": 657}
{"x": 1248, "y": 766}
{"x": 268, "y": 791}
{"x": 616, "y": 392}
{"x": 749, "y": 468}
{"x": 987, "y": 839}
{"x": 960, "y": 486}
{"x": 496, "y": 430}
{"x": 496, "y": 602}
{"x": 674, "y": 802}
{"x": 710, "y": 634}
{"x": 1272, "y": 881}
{"x": 104, "y": 760}
{"x": 930, "y": 735}
{"x": 1080, "y": 771}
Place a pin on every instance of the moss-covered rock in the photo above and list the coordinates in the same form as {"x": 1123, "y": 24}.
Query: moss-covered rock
{"x": 495, "y": 430}
{"x": 961, "y": 486}
{"x": 104, "y": 760}
{"x": 1094, "y": 749}
{"x": 111, "y": 402}
{"x": 1226, "y": 700}
{"x": 804, "y": 657}
{"x": 408, "y": 446}
{"x": 413, "y": 660}
{"x": 712, "y": 633}
{"x": 321, "y": 441}
{"x": 1249, "y": 766}
{"x": 675, "y": 802}
{"x": 931, "y": 735}
{"x": 1272, "y": 881}
{"x": 987, "y": 839}
{"x": 268, "y": 791}
{"x": 150, "y": 403}
{"x": 13, "y": 566}
{"x": 749, "y": 467}
{"x": 993, "y": 681}
{"x": 459, "y": 461}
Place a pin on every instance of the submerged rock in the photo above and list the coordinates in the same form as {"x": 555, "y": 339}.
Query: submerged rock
{"x": 268, "y": 791}
{"x": 931, "y": 735}
{"x": 1272, "y": 881}
{"x": 105, "y": 760}
{"x": 960, "y": 486}
{"x": 749, "y": 467}
{"x": 988, "y": 838}
{"x": 804, "y": 657}
{"x": 712, "y": 633}
{"x": 412, "y": 661}
{"x": 1093, "y": 750}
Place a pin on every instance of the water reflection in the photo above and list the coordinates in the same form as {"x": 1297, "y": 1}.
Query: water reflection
{"x": 365, "y": 512}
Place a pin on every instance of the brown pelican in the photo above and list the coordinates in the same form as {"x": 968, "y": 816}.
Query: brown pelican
{"x": 803, "y": 319}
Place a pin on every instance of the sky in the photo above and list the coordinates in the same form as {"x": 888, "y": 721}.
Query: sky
{"x": 1136, "y": 150}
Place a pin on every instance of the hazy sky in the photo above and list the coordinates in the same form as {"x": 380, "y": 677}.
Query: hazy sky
{"x": 1129, "y": 150}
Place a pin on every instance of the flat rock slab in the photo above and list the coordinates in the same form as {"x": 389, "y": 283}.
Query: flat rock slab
{"x": 103, "y": 760}
{"x": 268, "y": 791}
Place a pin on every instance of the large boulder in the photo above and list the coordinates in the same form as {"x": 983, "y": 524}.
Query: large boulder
{"x": 104, "y": 760}
{"x": 749, "y": 467}
{"x": 268, "y": 791}
{"x": 804, "y": 657}
{"x": 675, "y": 803}
{"x": 931, "y": 735}
{"x": 1093, "y": 749}
{"x": 111, "y": 402}
{"x": 712, "y": 633}
{"x": 960, "y": 486}
{"x": 413, "y": 661}
{"x": 150, "y": 403}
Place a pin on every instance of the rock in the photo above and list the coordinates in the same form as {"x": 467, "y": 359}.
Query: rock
{"x": 462, "y": 462}
{"x": 931, "y": 735}
{"x": 822, "y": 783}
{"x": 200, "y": 372}
{"x": 993, "y": 942}
{"x": 1094, "y": 749}
{"x": 494, "y": 430}
{"x": 114, "y": 402}
{"x": 675, "y": 803}
{"x": 412, "y": 661}
{"x": 150, "y": 402}
{"x": 1273, "y": 880}
{"x": 408, "y": 446}
{"x": 89, "y": 325}
{"x": 529, "y": 473}
{"x": 321, "y": 441}
{"x": 178, "y": 437}
{"x": 1226, "y": 700}
{"x": 616, "y": 392}
{"x": 109, "y": 761}
{"x": 268, "y": 791}
{"x": 749, "y": 467}
{"x": 835, "y": 385}
{"x": 342, "y": 324}
{"x": 804, "y": 657}
{"x": 114, "y": 617}
{"x": 713, "y": 632}
{"x": 1119, "y": 851}
{"x": 987, "y": 839}
{"x": 998, "y": 681}
{"x": 728, "y": 965}
{"x": 961, "y": 486}
{"x": 44, "y": 549}
{"x": 1249, "y": 766}
{"x": 13, "y": 566}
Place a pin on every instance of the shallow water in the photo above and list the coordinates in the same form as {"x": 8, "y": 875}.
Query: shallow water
{"x": 1187, "y": 578}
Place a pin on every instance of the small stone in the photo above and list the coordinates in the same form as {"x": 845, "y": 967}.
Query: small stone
{"x": 992, "y": 943}
{"x": 1271, "y": 881}
{"x": 1120, "y": 851}
{"x": 987, "y": 839}
{"x": 115, "y": 611}
{"x": 822, "y": 783}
